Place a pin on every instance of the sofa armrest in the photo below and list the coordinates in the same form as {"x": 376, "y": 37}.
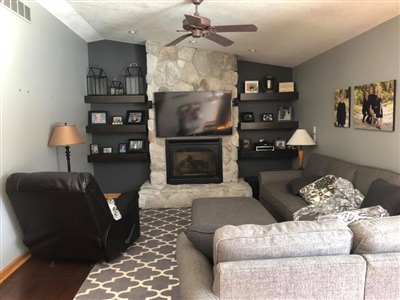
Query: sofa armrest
{"x": 278, "y": 175}
{"x": 292, "y": 278}
{"x": 195, "y": 271}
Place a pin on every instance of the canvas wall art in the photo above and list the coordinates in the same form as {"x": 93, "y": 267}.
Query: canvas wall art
{"x": 342, "y": 107}
{"x": 374, "y": 106}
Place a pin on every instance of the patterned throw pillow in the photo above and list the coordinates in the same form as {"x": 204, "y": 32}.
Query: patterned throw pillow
{"x": 319, "y": 190}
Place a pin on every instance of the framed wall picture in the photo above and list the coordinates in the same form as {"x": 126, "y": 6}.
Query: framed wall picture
{"x": 97, "y": 117}
{"x": 247, "y": 117}
{"x": 285, "y": 113}
{"x": 251, "y": 86}
{"x": 122, "y": 148}
{"x": 136, "y": 145}
{"x": 107, "y": 150}
{"x": 135, "y": 117}
{"x": 267, "y": 117}
{"x": 245, "y": 144}
{"x": 342, "y": 107}
{"x": 117, "y": 120}
{"x": 374, "y": 106}
{"x": 280, "y": 144}
{"x": 94, "y": 148}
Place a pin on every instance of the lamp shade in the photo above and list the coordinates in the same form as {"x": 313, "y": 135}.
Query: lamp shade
{"x": 301, "y": 138}
{"x": 64, "y": 135}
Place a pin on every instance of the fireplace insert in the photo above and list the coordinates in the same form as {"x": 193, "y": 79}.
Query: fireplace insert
{"x": 194, "y": 161}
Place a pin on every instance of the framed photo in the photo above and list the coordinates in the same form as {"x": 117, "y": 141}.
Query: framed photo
{"x": 247, "y": 117}
{"x": 342, "y": 107}
{"x": 280, "y": 144}
{"x": 374, "y": 106}
{"x": 267, "y": 117}
{"x": 117, "y": 120}
{"x": 94, "y": 149}
{"x": 136, "y": 145}
{"x": 285, "y": 87}
{"x": 245, "y": 144}
{"x": 285, "y": 113}
{"x": 122, "y": 148}
{"x": 97, "y": 117}
{"x": 135, "y": 117}
{"x": 107, "y": 150}
{"x": 251, "y": 86}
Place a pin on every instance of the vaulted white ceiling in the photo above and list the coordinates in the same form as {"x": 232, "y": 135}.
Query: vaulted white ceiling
{"x": 289, "y": 32}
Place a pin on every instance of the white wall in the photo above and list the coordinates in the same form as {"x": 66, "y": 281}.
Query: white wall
{"x": 372, "y": 56}
{"x": 43, "y": 70}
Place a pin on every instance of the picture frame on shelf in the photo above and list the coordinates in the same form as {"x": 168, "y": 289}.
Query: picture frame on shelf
{"x": 117, "y": 120}
{"x": 246, "y": 145}
{"x": 280, "y": 144}
{"x": 286, "y": 87}
{"x": 267, "y": 117}
{"x": 285, "y": 113}
{"x": 122, "y": 148}
{"x": 97, "y": 117}
{"x": 134, "y": 117}
{"x": 94, "y": 148}
{"x": 136, "y": 145}
{"x": 107, "y": 150}
{"x": 251, "y": 86}
{"x": 246, "y": 117}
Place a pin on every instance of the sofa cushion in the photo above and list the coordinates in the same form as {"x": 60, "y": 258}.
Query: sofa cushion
{"x": 366, "y": 175}
{"x": 342, "y": 169}
{"x": 296, "y": 184}
{"x": 376, "y": 236}
{"x": 319, "y": 190}
{"x": 384, "y": 194}
{"x": 317, "y": 164}
{"x": 202, "y": 237}
{"x": 281, "y": 240}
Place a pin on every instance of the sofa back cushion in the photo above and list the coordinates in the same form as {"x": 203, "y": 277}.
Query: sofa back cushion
{"x": 317, "y": 164}
{"x": 366, "y": 175}
{"x": 281, "y": 240}
{"x": 376, "y": 235}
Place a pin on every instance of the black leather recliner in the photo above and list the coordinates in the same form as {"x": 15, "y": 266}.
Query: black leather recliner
{"x": 66, "y": 216}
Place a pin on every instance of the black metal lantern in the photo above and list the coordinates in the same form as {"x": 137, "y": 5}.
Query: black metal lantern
{"x": 96, "y": 81}
{"x": 134, "y": 80}
{"x": 116, "y": 88}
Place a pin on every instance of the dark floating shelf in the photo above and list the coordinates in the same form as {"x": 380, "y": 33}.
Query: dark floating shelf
{"x": 118, "y": 157}
{"x": 268, "y": 96}
{"x": 117, "y": 99}
{"x": 116, "y": 128}
{"x": 277, "y": 153}
{"x": 268, "y": 125}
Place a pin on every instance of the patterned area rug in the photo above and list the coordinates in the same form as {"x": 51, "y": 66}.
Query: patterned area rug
{"x": 147, "y": 269}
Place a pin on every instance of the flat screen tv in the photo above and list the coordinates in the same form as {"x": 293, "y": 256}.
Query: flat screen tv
{"x": 193, "y": 113}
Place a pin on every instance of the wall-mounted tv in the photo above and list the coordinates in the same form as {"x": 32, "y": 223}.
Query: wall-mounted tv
{"x": 193, "y": 113}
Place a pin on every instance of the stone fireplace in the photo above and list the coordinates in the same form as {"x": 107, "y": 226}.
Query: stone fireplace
{"x": 194, "y": 161}
{"x": 179, "y": 68}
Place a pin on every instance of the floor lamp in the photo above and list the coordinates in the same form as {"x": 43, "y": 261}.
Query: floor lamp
{"x": 65, "y": 135}
{"x": 301, "y": 138}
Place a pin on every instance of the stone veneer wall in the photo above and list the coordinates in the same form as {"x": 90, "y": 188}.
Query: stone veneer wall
{"x": 179, "y": 68}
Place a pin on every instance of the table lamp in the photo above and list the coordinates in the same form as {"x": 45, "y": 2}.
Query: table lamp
{"x": 301, "y": 138}
{"x": 65, "y": 135}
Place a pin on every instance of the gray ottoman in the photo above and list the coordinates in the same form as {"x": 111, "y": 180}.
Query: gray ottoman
{"x": 230, "y": 211}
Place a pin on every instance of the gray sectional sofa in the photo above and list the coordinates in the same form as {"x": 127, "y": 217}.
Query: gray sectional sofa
{"x": 282, "y": 203}
{"x": 259, "y": 258}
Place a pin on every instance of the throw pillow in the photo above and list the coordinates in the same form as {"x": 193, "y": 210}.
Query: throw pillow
{"x": 384, "y": 194}
{"x": 296, "y": 184}
{"x": 202, "y": 237}
{"x": 319, "y": 190}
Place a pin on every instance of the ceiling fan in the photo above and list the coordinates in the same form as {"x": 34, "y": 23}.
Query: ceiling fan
{"x": 201, "y": 27}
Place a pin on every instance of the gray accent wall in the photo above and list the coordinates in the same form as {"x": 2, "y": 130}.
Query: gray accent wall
{"x": 370, "y": 57}
{"x": 43, "y": 69}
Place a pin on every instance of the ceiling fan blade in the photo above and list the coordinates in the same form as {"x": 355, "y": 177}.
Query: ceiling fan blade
{"x": 178, "y": 40}
{"x": 193, "y": 20}
{"x": 236, "y": 28}
{"x": 219, "y": 39}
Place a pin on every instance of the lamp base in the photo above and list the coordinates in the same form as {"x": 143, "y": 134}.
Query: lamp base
{"x": 67, "y": 154}
{"x": 301, "y": 156}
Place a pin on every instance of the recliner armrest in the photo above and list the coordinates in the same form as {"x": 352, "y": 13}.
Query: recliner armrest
{"x": 278, "y": 175}
{"x": 126, "y": 200}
